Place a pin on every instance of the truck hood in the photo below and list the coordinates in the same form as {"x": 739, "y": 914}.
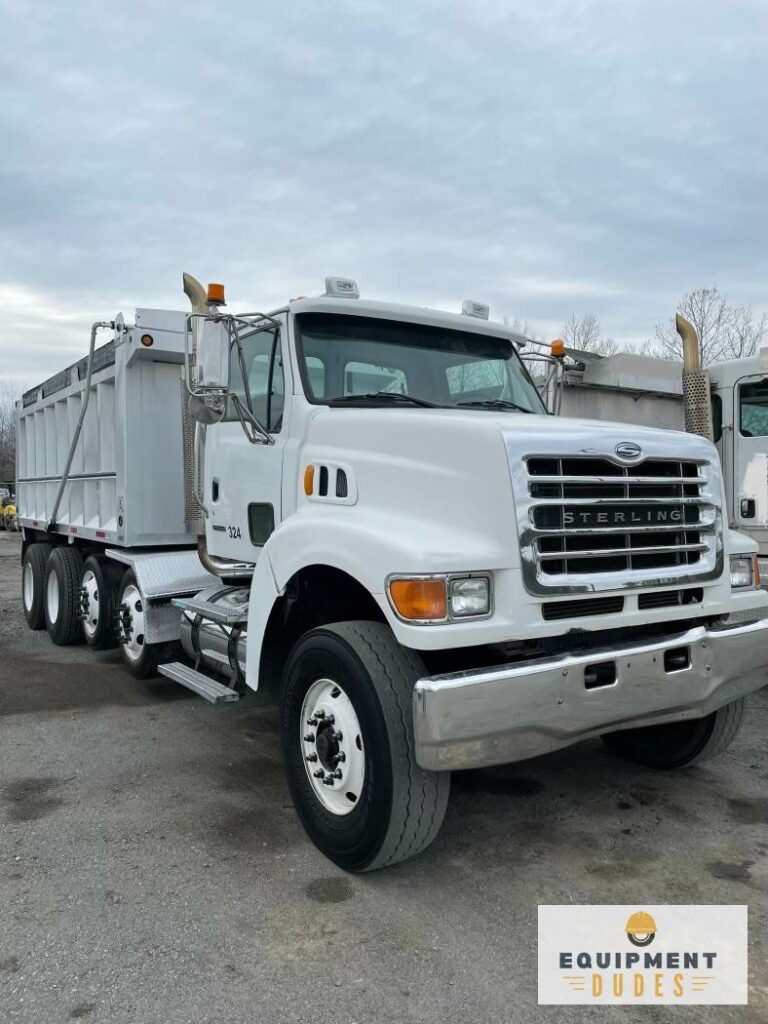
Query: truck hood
{"x": 446, "y": 478}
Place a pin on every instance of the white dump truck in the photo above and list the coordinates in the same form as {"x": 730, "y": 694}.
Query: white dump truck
{"x": 363, "y": 510}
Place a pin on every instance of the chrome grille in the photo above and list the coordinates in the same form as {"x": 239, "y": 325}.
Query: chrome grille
{"x": 592, "y": 522}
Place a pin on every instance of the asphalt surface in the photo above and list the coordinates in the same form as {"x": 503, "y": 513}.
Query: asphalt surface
{"x": 152, "y": 868}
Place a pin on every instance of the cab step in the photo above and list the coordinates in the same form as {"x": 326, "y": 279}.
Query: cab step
{"x": 210, "y": 689}
{"x": 224, "y": 614}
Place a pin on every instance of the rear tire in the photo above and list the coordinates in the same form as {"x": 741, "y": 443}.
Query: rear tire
{"x": 62, "y": 595}
{"x": 398, "y": 808}
{"x": 141, "y": 658}
{"x": 33, "y": 565}
{"x": 98, "y": 602}
{"x": 680, "y": 744}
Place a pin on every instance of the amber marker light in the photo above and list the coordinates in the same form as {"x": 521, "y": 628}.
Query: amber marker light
{"x": 419, "y": 600}
{"x": 309, "y": 480}
{"x": 147, "y": 340}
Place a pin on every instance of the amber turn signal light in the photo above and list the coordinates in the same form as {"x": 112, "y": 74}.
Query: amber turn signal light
{"x": 419, "y": 599}
{"x": 309, "y": 480}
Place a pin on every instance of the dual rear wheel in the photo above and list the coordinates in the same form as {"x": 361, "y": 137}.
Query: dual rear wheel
{"x": 89, "y": 599}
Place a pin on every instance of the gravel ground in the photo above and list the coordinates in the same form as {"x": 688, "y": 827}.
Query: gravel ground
{"x": 152, "y": 868}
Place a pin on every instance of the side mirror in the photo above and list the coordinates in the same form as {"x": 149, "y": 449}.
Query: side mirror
{"x": 213, "y": 356}
{"x": 207, "y": 409}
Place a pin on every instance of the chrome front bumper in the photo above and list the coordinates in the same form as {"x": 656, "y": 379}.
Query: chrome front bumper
{"x": 499, "y": 715}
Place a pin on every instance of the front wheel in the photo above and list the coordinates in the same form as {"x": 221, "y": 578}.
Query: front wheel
{"x": 679, "y": 744}
{"x": 347, "y": 733}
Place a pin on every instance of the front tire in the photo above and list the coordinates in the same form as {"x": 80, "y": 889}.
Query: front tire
{"x": 373, "y": 806}
{"x": 680, "y": 744}
{"x": 33, "y": 565}
{"x": 62, "y": 595}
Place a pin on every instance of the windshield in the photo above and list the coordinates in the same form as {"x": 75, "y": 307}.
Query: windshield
{"x": 347, "y": 357}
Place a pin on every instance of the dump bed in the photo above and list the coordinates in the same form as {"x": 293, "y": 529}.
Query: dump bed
{"x": 125, "y": 485}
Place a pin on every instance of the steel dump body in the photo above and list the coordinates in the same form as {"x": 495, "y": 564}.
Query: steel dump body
{"x": 125, "y": 486}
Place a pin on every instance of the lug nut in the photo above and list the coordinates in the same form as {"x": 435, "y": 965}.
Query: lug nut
{"x": 330, "y": 719}
{"x": 320, "y": 714}
{"x": 319, "y": 774}
{"x": 339, "y": 757}
{"x": 312, "y": 721}
{"x": 311, "y": 757}
{"x": 336, "y": 774}
{"x": 309, "y": 738}
{"x": 328, "y": 780}
{"x": 338, "y": 737}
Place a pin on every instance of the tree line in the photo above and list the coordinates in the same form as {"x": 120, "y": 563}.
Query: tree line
{"x": 725, "y": 331}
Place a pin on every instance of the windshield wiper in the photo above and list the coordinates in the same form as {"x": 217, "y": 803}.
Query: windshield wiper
{"x": 493, "y": 403}
{"x": 382, "y": 396}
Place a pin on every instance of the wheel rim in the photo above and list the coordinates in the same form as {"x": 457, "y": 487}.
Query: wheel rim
{"x": 132, "y": 623}
{"x": 52, "y": 596}
{"x": 28, "y": 587}
{"x": 89, "y": 603}
{"x": 332, "y": 747}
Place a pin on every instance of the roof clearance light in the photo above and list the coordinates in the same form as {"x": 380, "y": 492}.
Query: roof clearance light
{"x": 341, "y": 288}
{"x": 479, "y": 310}
{"x": 215, "y": 296}
{"x": 557, "y": 348}
{"x": 147, "y": 340}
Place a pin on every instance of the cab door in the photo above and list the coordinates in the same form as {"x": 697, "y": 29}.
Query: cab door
{"x": 243, "y": 480}
{"x": 750, "y": 453}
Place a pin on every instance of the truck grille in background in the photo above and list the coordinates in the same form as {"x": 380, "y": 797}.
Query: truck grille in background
{"x": 591, "y": 515}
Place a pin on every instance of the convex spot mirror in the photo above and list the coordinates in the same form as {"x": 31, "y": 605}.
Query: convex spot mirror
{"x": 207, "y": 409}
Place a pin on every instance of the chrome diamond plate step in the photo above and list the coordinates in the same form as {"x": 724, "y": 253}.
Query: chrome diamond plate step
{"x": 224, "y": 614}
{"x": 206, "y": 687}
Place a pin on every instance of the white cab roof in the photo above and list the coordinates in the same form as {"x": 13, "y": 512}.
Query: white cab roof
{"x": 407, "y": 314}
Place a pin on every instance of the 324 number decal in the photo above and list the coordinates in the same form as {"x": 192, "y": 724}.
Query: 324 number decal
{"x": 234, "y": 532}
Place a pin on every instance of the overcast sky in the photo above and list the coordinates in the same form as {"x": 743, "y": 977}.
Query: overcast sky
{"x": 545, "y": 157}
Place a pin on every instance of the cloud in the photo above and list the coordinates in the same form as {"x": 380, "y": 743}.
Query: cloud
{"x": 548, "y": 159}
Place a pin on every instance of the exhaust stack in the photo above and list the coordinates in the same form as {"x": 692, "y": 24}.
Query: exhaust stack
{"x": 193, "y": 510}
{"x": 696, "y": 393}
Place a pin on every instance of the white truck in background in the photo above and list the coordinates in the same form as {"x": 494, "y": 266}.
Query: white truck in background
{"x": 364, "y": 510}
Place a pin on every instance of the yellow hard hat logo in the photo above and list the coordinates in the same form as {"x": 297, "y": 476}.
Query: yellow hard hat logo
{"x": 641, "y": 928}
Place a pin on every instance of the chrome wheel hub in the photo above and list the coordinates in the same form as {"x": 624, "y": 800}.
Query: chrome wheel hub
{"x": 332, "y": 746}
{"x": 130, "y": 621}
{"x": 89, "y": 604}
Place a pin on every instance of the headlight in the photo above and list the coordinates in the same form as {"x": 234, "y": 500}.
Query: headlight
{"x": 469, "y": 596}
{"x": 440, "y": 598}
{"x": 743, "y": 572}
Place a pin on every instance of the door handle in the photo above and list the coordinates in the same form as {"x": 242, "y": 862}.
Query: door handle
{"x": 214, "y": 489}
{"x": 747, "y": 508}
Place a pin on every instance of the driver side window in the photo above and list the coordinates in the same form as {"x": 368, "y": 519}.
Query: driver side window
{"x": 263, "y": 365}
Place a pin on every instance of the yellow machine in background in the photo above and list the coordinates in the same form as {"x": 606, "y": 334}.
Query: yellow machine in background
{"x": 8, "y": 519}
